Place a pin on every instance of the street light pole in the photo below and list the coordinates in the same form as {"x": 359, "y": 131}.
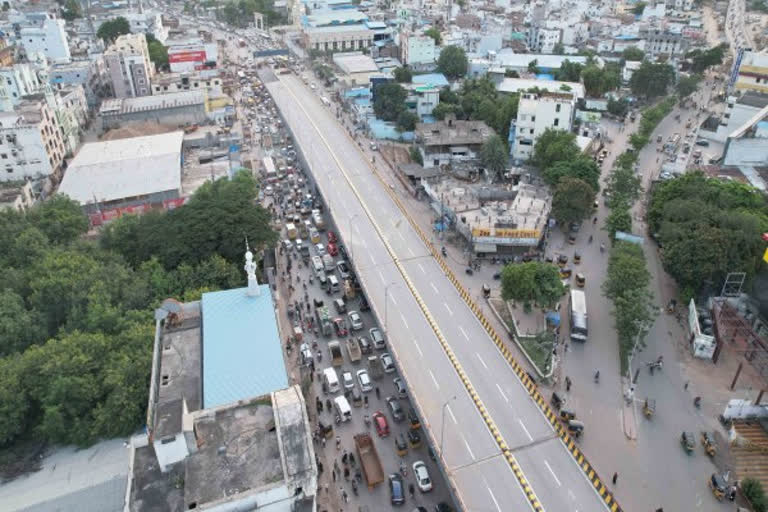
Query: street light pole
{"x": 351, "y": 246}
{"x": 386, "y": 304}
{"x": 442, "y": 422}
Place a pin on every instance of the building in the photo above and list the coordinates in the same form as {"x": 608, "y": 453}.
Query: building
{"x": 416, "y": 50}
{"x": 20, "y": 80}
{"x": 207, "y": 81}
{"x": 516, "y": 85}
{"x": 128, "y": 67}
{"x": 42, "y": 32}
{"x": 450, "y": 141}
{"x": 752, "y": 74}
{"x": 31, "y": 146}
{"x": 506, "y": 59}
{"x": 72, "y": 115}
{"x": 536, "y": 113}
{"x": 147, "y": 22}
{"x": 738, "y": 110}
{"x": 357, "y": 66}
{"x": 543, "y": 40}
{"x": 337, "y": 30}
{"x": 661, "y": 42}
{"x": 189, "y": 56}
{"x": 175, "y": 109}
{"x": 125, "y": 176}
{"x": 16, "y": 196}
{"x": 7, "y": 53}
{"x": 88, "y": 73}
{"x": 422, "y": 99}
{"x": 221, "y": 415}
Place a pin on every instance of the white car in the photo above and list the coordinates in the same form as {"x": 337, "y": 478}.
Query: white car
{"x": 422, "y": 476}
{"x": 387, "y": 363}
{"x": 364, "y": 380}
{"x": 347, "y": 379}
{"x": 355, "y": 321}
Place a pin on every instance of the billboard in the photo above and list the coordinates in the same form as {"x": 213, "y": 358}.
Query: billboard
{"x": 186, "y": 56}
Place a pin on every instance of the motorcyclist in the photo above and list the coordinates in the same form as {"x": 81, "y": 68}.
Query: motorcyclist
{"x": 597, "y": 376}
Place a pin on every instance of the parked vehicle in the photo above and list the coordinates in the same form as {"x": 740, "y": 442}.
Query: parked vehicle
{"x": 400, "y": 388}
{"x": 347, "y": 380}
{"x": 355, "y": 321}
{"x": 396, "y": 489}
{"x": 422, "y": 476}
{"x": 342, "y": 408}
{"x": 395, "y": 409}
{"x": 374, "y": 367}
{"x": 364, "y": 380}
{"x": 331, "y": 380}
{"x": 339, "y": 326}
{"x": 365, "y": 345}
{"x": 377, "y": 337}
{"x": 370, "y": 463}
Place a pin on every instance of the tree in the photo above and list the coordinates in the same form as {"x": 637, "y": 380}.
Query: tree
{"x": 19, "y": 326}
{"x": 453, "y": 62}
{"x": 703, "y": 59}
{"x": 389, "y": 101}
{"x": 533, "y": 282}
{"x": 434, "y": 33}
{"x": 651, "y": 80}
{"x": 158, "y": 53}
{"x": 639, "y": 8}
{"x": 403, "y": 75}
{"x": 626, "y": 271}
{"x": 494, "y": 155}
{"x": 533, "y": 67}
{"x": 406, "y": 121}
{"x": 558, "y": 49}
{"x": 624, "y": 184}
{"x": 60, "y": 219}
{"x": 72, "y": 10}
{"x": 618, "y": 108}
{"x": 620, "y": 219}
{"x": 687, "y": 85}
{"x": 598, "y": 81}
{"x": 754, "y": 492}
{"x": 415, "y": 155}
{"x": 442, "y": 109}
{"x": 553, "y": 146}
{"x": 633, "y": 53}
{"x": 581, "y": 167}
{"x": 511, "y": 73}
{"x": 110, "y": 30}
{"x": 572, "y": 201}
{"x": 569, "y": 71}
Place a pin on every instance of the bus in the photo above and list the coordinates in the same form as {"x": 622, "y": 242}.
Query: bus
{"x": 270, "y": 173}
{"x": 578, "y": 305}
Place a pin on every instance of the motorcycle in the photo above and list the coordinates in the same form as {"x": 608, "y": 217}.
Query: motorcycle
{"x": 403, "y": 469}
{"x": 602, "y": 247}
{"x": 597, "y": 376}
{"x": 444, "y": 252}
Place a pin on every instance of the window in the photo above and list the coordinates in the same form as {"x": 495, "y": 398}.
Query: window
{"x": 533, "y": 119}
{"x": 557, "y": 107}
{"x": 557, "y": 122}
{"x": 5, "y": 156}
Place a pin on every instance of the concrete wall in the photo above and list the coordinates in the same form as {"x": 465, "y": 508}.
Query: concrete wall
{"x": 188, "y": 114}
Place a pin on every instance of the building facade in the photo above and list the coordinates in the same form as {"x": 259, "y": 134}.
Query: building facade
{"x": 18, "y": 81}
{"x": 192, "y": 56}
{"x": 752, "y": 74}
{"x": 72, "y": 114}
{"x": 87, "y": 73}
{"x": 31, "y": 145}
{"x": 535, "y": 114}
{"x": 169, "y": 83}
{"x": 42, "y": 32}
{"x": 416, "y": 49}
{"x": 659, "y": 42}
{"x": 543, "y": 40}
{"x": 128, "y": 66}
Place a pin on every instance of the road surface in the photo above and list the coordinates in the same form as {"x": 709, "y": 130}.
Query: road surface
{"x": 367, "y": 218}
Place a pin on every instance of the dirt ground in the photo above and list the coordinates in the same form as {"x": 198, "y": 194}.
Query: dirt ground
{"x": 395, "y": 153}
{"x": 138, "y": 130}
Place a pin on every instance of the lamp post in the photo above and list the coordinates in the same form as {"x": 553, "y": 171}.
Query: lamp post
{"x": 442, "y": 422}
{"x": 386, "y": 303}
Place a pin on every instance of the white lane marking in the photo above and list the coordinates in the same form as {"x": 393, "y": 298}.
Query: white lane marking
{"x": 434, "y": 288}
{"x": 404, "y": 321}
{"x": 383, "y": 281}
{"x": 434, "y": 379}
{"x": 449, "y": 309}
{"x": 392, "y": 298}
{"x": 418, "y": 348}
{"x": 410, "y": 251}
{"x": 362, "y": 242}
{"x": 530, "y": 437}
{"x": 401, "y": 236}
{"x": 453, "y": 418}
{"x": 481, "y": 360}
{"x": 502, "y": 393}
{"x": 553, "y": 473}
{"x": 465, "y": 334}
{"x": 370, "y": 255}
{"x": 468, "y": 448}
{"x": 492, "y": 496}
{"x": 422, "y": 269}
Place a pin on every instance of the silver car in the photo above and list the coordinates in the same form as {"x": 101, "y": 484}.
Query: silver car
{"x": 364, "y": 380}
{"x": 355, "y": 321}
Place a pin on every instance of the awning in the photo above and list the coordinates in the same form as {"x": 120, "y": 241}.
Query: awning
{"x": 485, "y": 247}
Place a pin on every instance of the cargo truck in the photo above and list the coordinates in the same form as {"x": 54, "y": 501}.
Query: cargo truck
{"x": 334, "y": 348}
{"x": 324, "y": 320}
{"x": 369, "y": 460}
{"x": 353, "y": 349}
{"x": 374, "y": 367}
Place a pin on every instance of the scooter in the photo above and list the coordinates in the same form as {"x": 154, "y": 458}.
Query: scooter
{"x": 444, "y": 252}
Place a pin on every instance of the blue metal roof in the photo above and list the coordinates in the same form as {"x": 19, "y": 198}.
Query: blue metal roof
{"x": 436, "y": 79}
{"x": 242, "y": 353}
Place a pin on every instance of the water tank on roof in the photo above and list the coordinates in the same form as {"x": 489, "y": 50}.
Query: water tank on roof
{"x": 458, "y": 192}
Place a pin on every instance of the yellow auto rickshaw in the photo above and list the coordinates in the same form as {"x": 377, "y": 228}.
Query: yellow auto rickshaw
{"x": 576, "y": 258}
{"x": 565, "y": 273}
{"x": 649, "y": 408}
{"x": 581, "y": 281}
{"x": 708, "y": 441}
{"x": 562, "y": 260}
{"x": 718, "y": 485}
{"x": 401, "y": 447}
{"x": 567, "y": 415}
{"x": 414, "y": 438}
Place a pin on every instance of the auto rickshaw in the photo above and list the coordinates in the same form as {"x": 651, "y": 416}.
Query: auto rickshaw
{"x": 562, "y": 260}
{"x": 401, "y": 447}
{"x": 581, "y": 280}
{"x": 708, "y": 441}
{"x": 486, "y": 291}
{"x": 556, "y": 401}
{"x": 686, "y": 440}
{"x": 414, "y": 439}
{"x": 649, "y": 408}
{"x": 325, "y": 430}
{"x": 718, "y": 485}
{"x": 572, "y": 238}
{"x": 413, "y": 419}
{"x": 567, "y": 415}
{"x": 565, "y": 273}
{"x": 576, "y": 258}
{"x": 575, "y": 428}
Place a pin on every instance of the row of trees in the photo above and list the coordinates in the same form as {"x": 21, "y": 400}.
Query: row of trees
{"x": 649, "y": 120}
{"x": 532, "y": 283}
{"x": 76, "y": 315}
{"x": 389, "y": 105}
{"x": 707, "y": 228}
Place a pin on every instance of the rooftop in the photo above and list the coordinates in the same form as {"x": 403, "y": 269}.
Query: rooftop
{"x": 117, "y": 169}
{"x": 512, "y": 85}
{"x": 242, "y": 358}
{"x": 142, "y": 103}
{"x": 452, "y": 132}
{"x": 508, "y": 58}
{"x": 754, "y": 99}
{"x": 355, "y": 62}
{"x": 335, "y": 18}
{"x": 434, "y": 79}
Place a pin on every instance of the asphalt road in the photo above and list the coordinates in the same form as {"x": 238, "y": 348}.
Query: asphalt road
{"x": 472, "y": 458}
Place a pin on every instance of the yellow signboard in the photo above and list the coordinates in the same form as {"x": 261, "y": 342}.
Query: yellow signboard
{"x": 506, "y": 233}
{"x": 765, "y": 255}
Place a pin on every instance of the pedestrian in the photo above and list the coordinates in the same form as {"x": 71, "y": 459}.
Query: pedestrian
{"x": 344, "y": 458}
{"x": 344, "y": 496}
{"x": 346, "y": 473}
{"x": 323, "y": 441}
{"x": 334, "y": 474}
{"x": 567, "y": 383}
{"x": 338, "y": 443}
{"x": 685, "y": 388}
{"x": 615, "y": 477}
{"x": 378, "y": 393}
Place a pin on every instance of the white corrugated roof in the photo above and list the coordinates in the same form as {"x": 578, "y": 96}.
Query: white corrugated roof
{"x": 118, "y": 169}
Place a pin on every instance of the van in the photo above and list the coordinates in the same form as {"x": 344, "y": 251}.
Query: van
{"x": 331, "y": 380}
{"x": 357, "y": 397}
{"x": 314, "y": 235}
{"x": 342, "y": 408}
{"x": 317, "y": 264}
{"x": 333, "y": 284}
{"x": 328, "y": 263}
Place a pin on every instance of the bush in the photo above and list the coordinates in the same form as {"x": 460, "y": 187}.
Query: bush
{"x": 753, "y": 491}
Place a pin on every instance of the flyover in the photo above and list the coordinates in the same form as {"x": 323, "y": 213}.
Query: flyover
{"x": 499, "y": 449}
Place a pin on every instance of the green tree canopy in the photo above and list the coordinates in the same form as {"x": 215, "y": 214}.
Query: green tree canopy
{"x": 389, "y": 101}
{"x": 406, "y": 121}
{"x": 633, "y": 53}
{"x": 701, "y": 60}
{"x": 618, "y": 107}
{"x": 620, "y": 219}
{"x": 687, "y": 85}
{"x": 572, "y": 201}
{"x": 403, "y": 74}
{"x": 532, "y": 283}
{"x": 598, "y": 81}
{"x": 72, "y": 10}
{"x": 639, "y": 8}
{"x": 569, "y": 71}
{"x": 434, "y": 33}
{"x": 158, "y": 53}
{"x": 533, "y": 66}
{"x": 511, "y": 73}
{"x": 494, "y": 155}
{"x": 554, "y": 146}
{"x": 478, "y": 99}
{"x": 651, "y": 79}
{"x": 581, "y": 167}
{"x": 110, "y": 30}
{"x": 60, "y": 219}
{"x": 453, "y": 62}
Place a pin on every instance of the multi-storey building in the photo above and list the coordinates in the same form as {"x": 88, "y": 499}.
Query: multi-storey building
{"x": 752, "y": 73}
{"x": 661, "y": 42}
{"x": 341, "y": 30}
{"x": 88, "y": 73}
{"x": 42, "y": 32}
{"x": 129, "y": 69}
{"x": 20, "y": 80}
{"x": 416, "y": 49}
{"x": 71, "y": 113}
{"x": 535, "y": 114}
{"x": 31, "y": 145}
{"x": 208, "y": 81}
